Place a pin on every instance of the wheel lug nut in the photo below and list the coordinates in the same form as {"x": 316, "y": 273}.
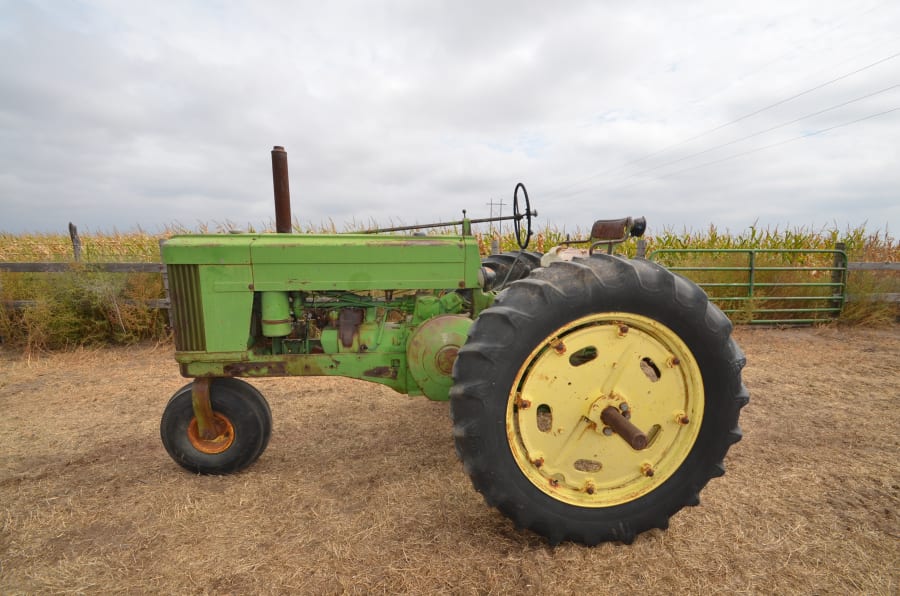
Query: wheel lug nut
{"x": 607, "y": 431}
{"x": 623, "y": 330}
{"x": 647, "y": 470}
{"x": 558, "y": 346}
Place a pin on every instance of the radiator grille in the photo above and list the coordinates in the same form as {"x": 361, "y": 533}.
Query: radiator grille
{"x": 187, "y": 308}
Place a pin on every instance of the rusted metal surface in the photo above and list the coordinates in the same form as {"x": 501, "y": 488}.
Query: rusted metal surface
{"x": 223, "y": 439}
{"x": 558, "y": 346}
{"x": 618, "y": 230}
{"x": 445, "y": 358}
{"x": 256, "y": 369}
{"x": 381, "y": 372}
{"x": 521, "y": 402}
{"x": 607, "y": 232}
{"x": 203, "y": 413}
{"x": 349, "y": 320}
{"x": 282, "y": 190}
{"x": 611, "y": 229}
{"x": 625, "y": 429}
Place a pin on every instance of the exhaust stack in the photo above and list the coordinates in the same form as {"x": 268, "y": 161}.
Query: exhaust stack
{"x": 282, "y": 190}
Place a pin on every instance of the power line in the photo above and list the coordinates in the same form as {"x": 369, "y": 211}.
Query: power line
{"x": 756, "y": 134}
{"x": 793, "y": 97}
{"x": 850, "y": 16}
{"x": 555, "y": 193}
{"x": 758, "y": 149}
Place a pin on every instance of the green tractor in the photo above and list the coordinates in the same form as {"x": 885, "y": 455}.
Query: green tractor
{"x": 591, "y": 398}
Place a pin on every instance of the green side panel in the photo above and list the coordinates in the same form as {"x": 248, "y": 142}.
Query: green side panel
{"x": 227, "y": 306}
{"x": 356, "y": 262}
{"x": 221, "y": 290}
{"x": 208, "y": 249}
{"x": 317, "y": 262}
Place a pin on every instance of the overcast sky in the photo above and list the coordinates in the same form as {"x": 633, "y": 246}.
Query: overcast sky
{"x": 116, "y": 114}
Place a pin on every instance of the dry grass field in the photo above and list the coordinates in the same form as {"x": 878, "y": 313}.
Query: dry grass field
{"x": 360, "y": 490}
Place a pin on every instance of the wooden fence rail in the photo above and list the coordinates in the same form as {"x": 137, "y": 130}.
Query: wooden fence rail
{"x": 57, "y": 267}
{"x": 861, "y": 266}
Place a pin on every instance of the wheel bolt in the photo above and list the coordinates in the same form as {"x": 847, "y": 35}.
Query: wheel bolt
{"x": 623, "y": 330}
{"x": 681, "y": 418}
{"x": 623, "y": 406}
{"x": 607, "y": 431}
{"x": 558, "y": 346}
{"x": 647, "y": 470}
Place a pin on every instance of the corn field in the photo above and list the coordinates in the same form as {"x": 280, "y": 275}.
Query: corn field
{"x": 80, "y": 308}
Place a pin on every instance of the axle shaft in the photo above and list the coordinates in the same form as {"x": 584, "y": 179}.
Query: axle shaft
{"x": 624, "y": 428}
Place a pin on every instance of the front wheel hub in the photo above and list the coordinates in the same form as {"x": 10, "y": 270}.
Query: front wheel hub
{"x": 610, "y": 417}
{"x": 223, "y": 439}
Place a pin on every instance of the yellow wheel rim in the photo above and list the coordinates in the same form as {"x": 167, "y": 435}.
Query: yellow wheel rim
{"x": 622, "y": 360}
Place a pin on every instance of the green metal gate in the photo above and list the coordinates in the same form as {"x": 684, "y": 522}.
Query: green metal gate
{"x": 766, "y": 286}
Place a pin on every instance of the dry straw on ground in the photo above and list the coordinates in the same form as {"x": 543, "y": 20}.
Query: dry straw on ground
{"x": 360, "y": 491}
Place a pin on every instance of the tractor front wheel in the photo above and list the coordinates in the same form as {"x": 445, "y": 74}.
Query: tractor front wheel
{"x": 242, "y": 420}
{"x": 596, "y": 398}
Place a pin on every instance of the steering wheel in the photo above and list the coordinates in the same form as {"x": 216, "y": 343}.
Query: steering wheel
{"x": 518, "y": 216}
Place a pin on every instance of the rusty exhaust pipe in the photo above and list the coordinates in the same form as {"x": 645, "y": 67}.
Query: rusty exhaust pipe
{"x": 282, "y": 190}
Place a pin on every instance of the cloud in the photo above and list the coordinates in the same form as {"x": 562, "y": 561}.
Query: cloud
{"x": 117, "y": 115}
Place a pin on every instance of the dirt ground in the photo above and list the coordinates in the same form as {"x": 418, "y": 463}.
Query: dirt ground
{"x": 360, "y": 490}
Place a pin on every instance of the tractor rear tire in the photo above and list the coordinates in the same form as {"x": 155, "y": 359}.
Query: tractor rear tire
{"x": 541, "y": 370}
{"x": 511, "y": 266}
{"x": 239, "y": 407}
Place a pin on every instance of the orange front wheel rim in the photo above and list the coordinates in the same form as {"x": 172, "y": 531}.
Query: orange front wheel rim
{"x": 223, "y": 440}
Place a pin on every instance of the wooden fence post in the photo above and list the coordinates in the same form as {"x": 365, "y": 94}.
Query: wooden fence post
{"x": 76, "y": 241}
{"x": 165, "y": 281}
{"x": 839, "y": 276}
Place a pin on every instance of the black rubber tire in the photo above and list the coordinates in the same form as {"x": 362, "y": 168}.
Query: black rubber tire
{"x": 504, "y": 336}
{"x": 511, "y": 266}
{"x": 246, "y": 409}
